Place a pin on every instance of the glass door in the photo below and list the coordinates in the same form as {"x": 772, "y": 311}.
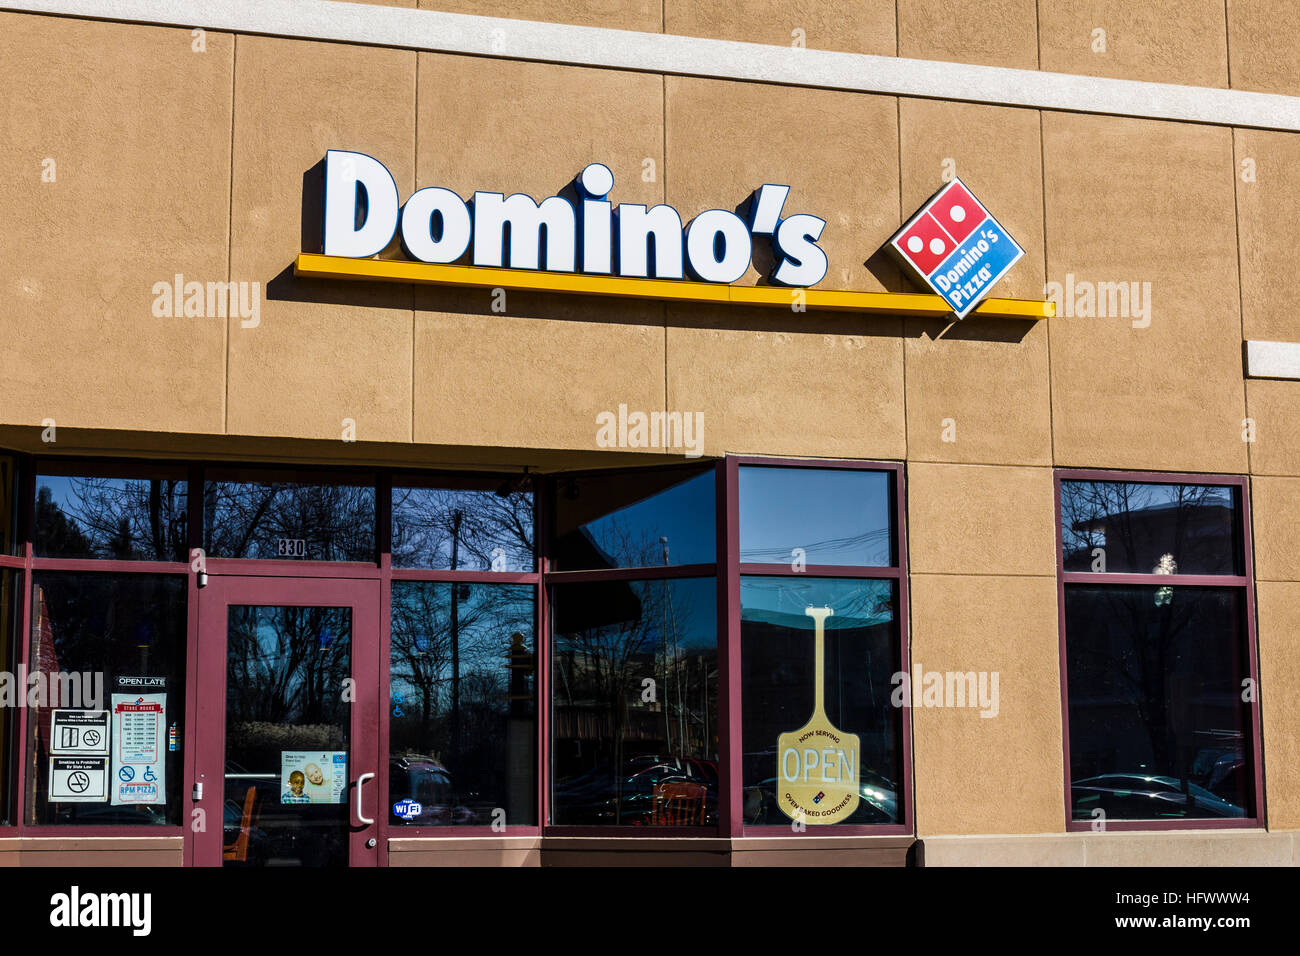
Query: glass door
{"x": 287, "y": 723}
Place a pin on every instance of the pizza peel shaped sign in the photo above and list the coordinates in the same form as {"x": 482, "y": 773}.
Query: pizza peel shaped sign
{"x": 818, "y": 764}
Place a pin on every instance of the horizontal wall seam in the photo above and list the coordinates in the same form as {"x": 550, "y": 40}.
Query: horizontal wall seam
{"x": 912, "y": 572}
{"x": 403, "y": 28}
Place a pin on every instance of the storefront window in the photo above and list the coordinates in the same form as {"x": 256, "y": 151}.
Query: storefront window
{"x": 10, "y": 582}
{"x": 142, "y": 518}
{"x": 267, "y": 518}
{"x": 463, "y": 710}
{"x": 1139, "y": 528}
{"x": 1158, "y": 669}
{"x": 288, "y": 734}
{"x": 466, "y": 524}
{"x": 635, "y": 683}
{"x": 861, "y": 729}
{"x": 815, "y": 515}
{"x": 634, "y": 519}
{"x": 8, "y": 505}
{"x": 821, "y": 640}
{"x": 106, "y": 657}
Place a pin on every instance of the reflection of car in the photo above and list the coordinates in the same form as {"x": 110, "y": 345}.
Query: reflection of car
{"x": 1143, "y": 796}
{"x": 426, "y": 782}
{"x": 878, "y": 802}
{"x": 601, "y": 796}
{"x": 106, "y": 814}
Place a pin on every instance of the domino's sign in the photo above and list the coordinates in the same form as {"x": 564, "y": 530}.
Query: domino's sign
{"x": 363, "y": 215}
{"x": 955, "y": 247}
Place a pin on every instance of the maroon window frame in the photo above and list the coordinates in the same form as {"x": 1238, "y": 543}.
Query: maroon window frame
{"x": 650, "y": 573}
{"x": 1245, "y": 582}
{"x": 735, "y": 569}
{"x": 726, "y": 570}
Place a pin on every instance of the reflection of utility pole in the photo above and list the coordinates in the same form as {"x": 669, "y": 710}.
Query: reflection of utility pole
{"x": 668, "y": 660}
{"x": 456, "y": 517}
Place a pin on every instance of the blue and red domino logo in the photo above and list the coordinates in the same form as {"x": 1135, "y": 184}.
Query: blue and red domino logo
{"x": 956, "y": 248}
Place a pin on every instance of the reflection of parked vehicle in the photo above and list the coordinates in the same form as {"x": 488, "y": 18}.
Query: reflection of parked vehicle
{"x": 1126, "y": 796}
{"x": 426, "y": 782}
{"x": 878, "y": 802}
{"x": 601, "y": 796}
{"x": 878, "y": 795}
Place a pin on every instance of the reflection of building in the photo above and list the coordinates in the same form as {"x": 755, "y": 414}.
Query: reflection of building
{"x": 1138, "y": 539}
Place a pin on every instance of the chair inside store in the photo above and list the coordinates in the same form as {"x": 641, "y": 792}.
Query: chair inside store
{"x": 239, "y": 849}
{"x": 678, "y": 803}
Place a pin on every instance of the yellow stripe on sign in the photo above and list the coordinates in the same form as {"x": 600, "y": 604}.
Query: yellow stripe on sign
{"x": 312, "y": 265}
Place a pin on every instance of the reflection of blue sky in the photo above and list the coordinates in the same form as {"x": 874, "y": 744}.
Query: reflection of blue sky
{"x": 61, "y": 489}
{"x": 487, "y": 618}
{"x": 682, "y": 610}
{"x": 783, "y": 600}
{"x": 683, "y": 513}
{"x": 837, "y": 516}
{"x": 690, "y": 615}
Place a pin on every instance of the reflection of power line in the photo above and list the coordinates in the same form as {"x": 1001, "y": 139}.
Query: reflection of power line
{"x": 781, "y": 555}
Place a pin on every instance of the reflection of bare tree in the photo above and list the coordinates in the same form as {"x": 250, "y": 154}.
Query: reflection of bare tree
{"x": 1136, "y": 643}
{"x": 287, "y": 665}
{"x": 422, "y": 671}
{"x": 129, "y": 519}
{"x": 620, "y": 633}
{"x": 1129, "y": 519}
{"x": 429, "y": 523}
{"x": 248, "y": 519}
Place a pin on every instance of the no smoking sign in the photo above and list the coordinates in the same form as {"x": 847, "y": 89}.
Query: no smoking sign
{"x": 78, "y": 779}
{"x": 955, "y": 247}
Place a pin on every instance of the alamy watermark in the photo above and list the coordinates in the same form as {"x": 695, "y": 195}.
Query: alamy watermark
{"x": 684, "y": 430}
{"x": 210, "y": 300}
{"x": 41, "y": 689}
{"x": 924, "y": 688}
{"x": 1085, "y": 299}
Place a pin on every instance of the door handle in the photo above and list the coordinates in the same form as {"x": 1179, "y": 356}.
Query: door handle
{"x": 361, "y": 817}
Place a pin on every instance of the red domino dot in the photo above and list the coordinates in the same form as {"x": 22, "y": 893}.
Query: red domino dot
{"x": 958, "y": 211}
{"x": 925, "y": 244}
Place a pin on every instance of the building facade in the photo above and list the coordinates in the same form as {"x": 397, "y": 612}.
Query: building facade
{"x": 373, "y": 522}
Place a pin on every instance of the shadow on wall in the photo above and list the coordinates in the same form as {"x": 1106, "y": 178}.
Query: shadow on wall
{"x": 287, "y": 287}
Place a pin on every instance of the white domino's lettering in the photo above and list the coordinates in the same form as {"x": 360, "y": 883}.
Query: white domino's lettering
{"x": 363, "y": 214}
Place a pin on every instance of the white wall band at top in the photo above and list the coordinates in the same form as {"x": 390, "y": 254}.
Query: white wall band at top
{"x": 404, "y": 28}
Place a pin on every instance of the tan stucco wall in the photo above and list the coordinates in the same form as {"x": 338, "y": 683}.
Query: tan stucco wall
{"x": 1243, "y": 44}
{"x": 173, "y": 161}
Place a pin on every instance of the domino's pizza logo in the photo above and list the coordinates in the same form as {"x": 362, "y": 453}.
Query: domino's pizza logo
{"x": 956, "y": 248}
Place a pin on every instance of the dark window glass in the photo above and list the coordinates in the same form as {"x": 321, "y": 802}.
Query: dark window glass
{"x": 8, "y": 505}
{"x": 10, "y": 583}
{"x": 635, "y": 519}
{"x": 861, "y": 655}
{"x": 836, "y": 516}
{"x": 1158, "y": 727}
{"x": 123, "y": 519}
{"x": 99, "y": 641}
{"x": 1139, "y": 528}
{"x": 287, "y": 520}
{"x": 635, "y": 728}
{"x": 462, "y": 724}
{"x": 287, "y": 796}
{"x": 470, "y": 524}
